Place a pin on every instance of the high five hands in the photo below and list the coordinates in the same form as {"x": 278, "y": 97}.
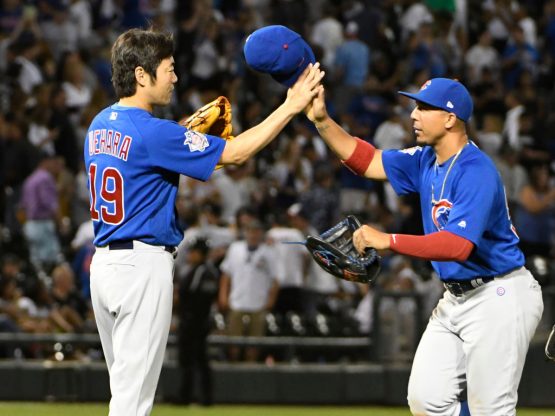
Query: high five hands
{"x": 316, "y": 110}
{"x": 306, "y": 88}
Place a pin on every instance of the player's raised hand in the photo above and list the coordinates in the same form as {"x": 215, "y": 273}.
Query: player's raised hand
{"x": 305, "y": 89}
{"x": 316, "y": 110}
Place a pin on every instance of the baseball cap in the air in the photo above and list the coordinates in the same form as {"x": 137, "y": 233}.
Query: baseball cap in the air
{"x": 445, "y": 94}
{"x": 278, "y": 51}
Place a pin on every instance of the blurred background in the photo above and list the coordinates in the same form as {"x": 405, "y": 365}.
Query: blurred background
{"x": 308, "y": 337}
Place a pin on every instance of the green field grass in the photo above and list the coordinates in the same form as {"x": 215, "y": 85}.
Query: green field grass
{"x": 88, "y": 409}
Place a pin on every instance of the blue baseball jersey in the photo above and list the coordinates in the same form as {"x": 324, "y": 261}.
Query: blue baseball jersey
{"x": 473, "y": 206}
{"x": 133, "y": 161}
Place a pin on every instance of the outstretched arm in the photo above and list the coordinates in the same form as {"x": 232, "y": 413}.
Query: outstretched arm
{"x": 248, "y": 143}
{"x": 360, "y": 156}
{"x": 439, "y": 246}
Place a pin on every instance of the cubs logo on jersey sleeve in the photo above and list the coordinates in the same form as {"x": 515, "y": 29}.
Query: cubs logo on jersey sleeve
{"x": 440, "y": 213}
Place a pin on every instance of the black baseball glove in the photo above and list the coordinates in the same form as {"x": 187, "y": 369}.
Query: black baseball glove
{"x": 334, "y": 252}
{"x": 550, "y": 345}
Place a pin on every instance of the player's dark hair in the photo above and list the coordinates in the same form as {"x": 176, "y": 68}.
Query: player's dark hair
{"x": 137, "y": 47}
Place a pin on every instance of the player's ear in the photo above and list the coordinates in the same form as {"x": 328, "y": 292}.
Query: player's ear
{"x": 140, "y": 76}
{"x": 450, "y": 121}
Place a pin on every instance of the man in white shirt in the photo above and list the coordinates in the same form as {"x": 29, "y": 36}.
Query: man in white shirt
{"x": 248, "y": 286}
{"x": 30, "y": 74}
{"x": 293, "y": 262}
{"x": 328, "y": 34}
{"x": 481, "y": 55}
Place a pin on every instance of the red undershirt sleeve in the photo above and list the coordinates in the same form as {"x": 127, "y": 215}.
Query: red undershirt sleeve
{"x": 361, "y": 157}
{"x": 439, "y": 246}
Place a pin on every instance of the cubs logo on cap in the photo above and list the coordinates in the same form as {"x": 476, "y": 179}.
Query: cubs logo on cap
{"x": 278, "y": 51}
{"x": 445, "y": 94}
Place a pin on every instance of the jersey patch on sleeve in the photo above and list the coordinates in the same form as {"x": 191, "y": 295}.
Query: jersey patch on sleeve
{"x": 197, "y": 142}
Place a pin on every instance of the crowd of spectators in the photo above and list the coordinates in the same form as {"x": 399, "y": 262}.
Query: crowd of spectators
{"x": 55, "y": 76}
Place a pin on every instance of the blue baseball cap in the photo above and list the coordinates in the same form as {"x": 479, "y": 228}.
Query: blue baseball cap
{"x": 278, "y": 51}
{"x": 446, "y": 94}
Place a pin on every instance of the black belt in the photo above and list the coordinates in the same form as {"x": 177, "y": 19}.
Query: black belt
{"x": 459, "y": 288}
{"x": 128, "y": 245}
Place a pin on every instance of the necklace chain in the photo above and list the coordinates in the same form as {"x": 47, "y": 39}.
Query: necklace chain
{"x": 434, "y": 202}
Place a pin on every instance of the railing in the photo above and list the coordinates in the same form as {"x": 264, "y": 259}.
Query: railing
{"x": 215, "y": 340}
{"x": 377, "y": 347}
{"x": 289, "y": 345}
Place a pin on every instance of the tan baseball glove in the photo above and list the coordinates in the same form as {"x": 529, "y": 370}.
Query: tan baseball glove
{"x": 214, "y": 118}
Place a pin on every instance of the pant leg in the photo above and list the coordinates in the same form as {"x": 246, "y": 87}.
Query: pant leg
{"x": 101, "y": 271}
{"x": 256, "y": 328}
{"x": 193, "y": 360}
{"x": 235, "y": 323}
{"x": 44, "y": 247}
{"x": 205, "y": 372}
{"x": 186, "y": 360}
{"x": 437, "y": 377}
{"x": 235, "y": 328}
{"x": 50, "y": 250}
{"x": 497, "y": 324}
{"x": 137, "y": 290}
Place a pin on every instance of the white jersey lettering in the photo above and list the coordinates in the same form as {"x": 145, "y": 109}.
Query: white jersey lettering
{"x": 104, "y": 141}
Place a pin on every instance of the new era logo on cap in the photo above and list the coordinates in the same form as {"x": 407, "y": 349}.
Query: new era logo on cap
{"x": 445, "y": 94}
{"x": 278, "y": 51}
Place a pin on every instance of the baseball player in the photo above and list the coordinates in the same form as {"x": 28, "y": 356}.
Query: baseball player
{"x": 134, "y": 160}
{"x": 473, "y": 247}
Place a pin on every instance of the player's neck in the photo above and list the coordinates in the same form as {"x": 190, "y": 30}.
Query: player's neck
{"x": 449, "y": 147}
{"x": 135, "y": 101}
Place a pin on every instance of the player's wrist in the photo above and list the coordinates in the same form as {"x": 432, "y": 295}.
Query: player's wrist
{"x": 288, "y": 109}
{"x": 380, "y": 240}
{"x": 322, "y": 123}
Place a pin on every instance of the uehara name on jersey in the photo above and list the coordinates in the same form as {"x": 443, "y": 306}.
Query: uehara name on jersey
{"x": 109, "y": 142}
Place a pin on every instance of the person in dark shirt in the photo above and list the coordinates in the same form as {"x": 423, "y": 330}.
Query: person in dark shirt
{"x": 197, "y": 293}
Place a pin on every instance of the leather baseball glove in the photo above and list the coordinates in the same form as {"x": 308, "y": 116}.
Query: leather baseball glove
{"x": 550, "y": 345}
{"x": 334, "y": 252}
{"x": 214, "y": 118}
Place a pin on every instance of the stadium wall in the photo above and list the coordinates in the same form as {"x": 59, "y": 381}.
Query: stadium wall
{"x": 282, "y": 384}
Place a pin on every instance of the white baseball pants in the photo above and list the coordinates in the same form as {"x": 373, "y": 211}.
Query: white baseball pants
{"x": 132, "y": 293}
{"x": 476, "y": 342}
